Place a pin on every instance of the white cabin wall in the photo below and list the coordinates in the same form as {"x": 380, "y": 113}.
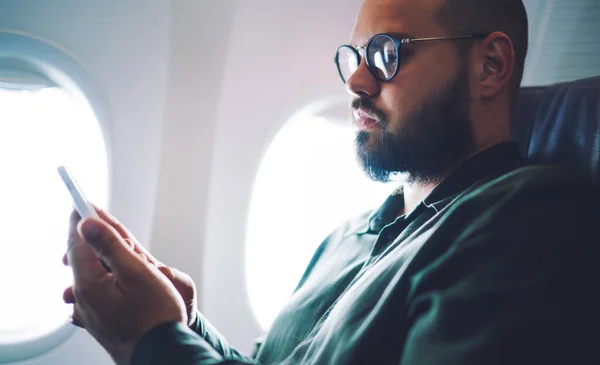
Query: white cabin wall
{"x": 199, "y": 43}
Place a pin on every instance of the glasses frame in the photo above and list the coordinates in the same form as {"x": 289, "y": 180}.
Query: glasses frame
{"x": 398, "y": 43}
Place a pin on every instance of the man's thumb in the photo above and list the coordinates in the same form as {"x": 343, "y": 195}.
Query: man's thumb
{"x": 108, "y": 245}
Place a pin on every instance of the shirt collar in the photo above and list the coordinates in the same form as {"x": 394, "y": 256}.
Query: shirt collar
{"x": 489, "y": 162}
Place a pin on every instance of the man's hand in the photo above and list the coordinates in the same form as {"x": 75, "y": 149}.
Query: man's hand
{"x": 117, "y": 308}
{"x": 182, "y": 282}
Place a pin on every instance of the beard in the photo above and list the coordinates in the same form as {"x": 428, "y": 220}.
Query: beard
{"x": 427, "y": 143}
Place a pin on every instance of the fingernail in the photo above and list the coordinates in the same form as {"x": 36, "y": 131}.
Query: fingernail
{"x": 90, "y": 230}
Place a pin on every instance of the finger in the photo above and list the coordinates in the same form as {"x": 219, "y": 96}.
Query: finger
{"x": 130, "y": 243}
{"x": 75, "y": 215}
{"x": 125, "y": 233}
{"x": 139, "y": 249}
{"x": 114, "y": 222}
{"x": 76, "y": 322}
{"x": 76, "y": 318}
{"x": 167, "y": 271}
{"x": 182, "y": 282}
{"x": 82, "y": 258}
{"x": 142, "y": 251}
{"x": 108, "y": 244}
{"x": 68, "y": 295}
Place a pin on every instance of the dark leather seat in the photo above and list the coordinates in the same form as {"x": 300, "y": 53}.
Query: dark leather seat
{"x": 560, "y": 124}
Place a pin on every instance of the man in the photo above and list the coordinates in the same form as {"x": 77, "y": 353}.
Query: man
{"x": 480, "y": 260}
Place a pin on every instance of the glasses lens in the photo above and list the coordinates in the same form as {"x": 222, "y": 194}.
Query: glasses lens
{"x": 347, "y": 61}
{"x": 382, "y": 55}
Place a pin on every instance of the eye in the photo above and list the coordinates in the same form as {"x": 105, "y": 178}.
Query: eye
{"x": 391, "y": 57}
{"x": 389, "y": 52}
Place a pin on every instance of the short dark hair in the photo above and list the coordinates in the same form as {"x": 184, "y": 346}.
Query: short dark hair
{"x": 463, "y": 17}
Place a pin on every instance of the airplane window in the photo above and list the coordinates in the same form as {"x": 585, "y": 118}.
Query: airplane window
{"x": 308, "y": 182}
{"x": 39, "y": 130}
{"x": 564, "y": 44}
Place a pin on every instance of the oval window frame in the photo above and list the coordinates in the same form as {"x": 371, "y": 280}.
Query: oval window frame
{"x": 61, "y": 68}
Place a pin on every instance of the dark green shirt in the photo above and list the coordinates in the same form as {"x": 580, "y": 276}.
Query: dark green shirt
{"x": 498, "y": 265}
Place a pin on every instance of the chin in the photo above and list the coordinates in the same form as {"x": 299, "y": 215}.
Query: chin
{"x": 369, "y": 138}
{"x": 368, "y": 145}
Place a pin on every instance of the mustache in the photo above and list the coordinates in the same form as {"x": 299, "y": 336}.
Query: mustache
{"x": 368, "y": 106}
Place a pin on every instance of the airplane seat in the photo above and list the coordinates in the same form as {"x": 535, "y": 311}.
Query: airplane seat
{"x": 560, "y": 124}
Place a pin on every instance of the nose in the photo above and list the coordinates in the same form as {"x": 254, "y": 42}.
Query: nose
{"x": 362, "y": 82}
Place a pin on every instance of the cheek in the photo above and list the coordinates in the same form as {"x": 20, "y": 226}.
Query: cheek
{"x": 397, "y": 102}
{"x": 408, "y": 91}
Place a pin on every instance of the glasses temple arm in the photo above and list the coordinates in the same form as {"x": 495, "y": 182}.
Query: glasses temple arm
{"x": 409, "y": 40}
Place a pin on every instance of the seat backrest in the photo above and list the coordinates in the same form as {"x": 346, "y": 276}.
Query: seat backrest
{"x": 560, "y": 124}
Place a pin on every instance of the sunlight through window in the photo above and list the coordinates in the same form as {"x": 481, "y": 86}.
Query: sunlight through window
{"x": 40, "y": 130}
{"x": 308, "y": 182}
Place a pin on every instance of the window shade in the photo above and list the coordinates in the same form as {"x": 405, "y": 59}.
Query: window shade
{"x": 564, "y": 41}
{"x": 20, "y": 75}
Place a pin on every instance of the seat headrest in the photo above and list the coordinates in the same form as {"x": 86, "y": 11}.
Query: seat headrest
{"x": 560, "y": 124}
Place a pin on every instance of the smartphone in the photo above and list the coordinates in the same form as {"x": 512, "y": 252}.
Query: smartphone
{"x": 83, "y": 207}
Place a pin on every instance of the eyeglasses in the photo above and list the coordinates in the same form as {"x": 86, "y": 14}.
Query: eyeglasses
{"x": 383, "y": 55}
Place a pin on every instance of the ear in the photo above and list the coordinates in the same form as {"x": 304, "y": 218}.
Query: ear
{"x": 495, "y": 65}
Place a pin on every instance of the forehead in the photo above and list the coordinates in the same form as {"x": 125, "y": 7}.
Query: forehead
{"x": 415, "y": 18}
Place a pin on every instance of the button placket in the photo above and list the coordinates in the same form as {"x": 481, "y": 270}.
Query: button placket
{"x": 388, "y": 234}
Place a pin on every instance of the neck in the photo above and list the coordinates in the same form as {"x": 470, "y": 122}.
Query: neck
{"x": 414, "y": 193}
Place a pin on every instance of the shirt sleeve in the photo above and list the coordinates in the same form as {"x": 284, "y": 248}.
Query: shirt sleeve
{"x": 176, "y": 344}
{"x": 200, "y": 344}
{"x": 203, "y": 328}
{"x": 519, "y": 286}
